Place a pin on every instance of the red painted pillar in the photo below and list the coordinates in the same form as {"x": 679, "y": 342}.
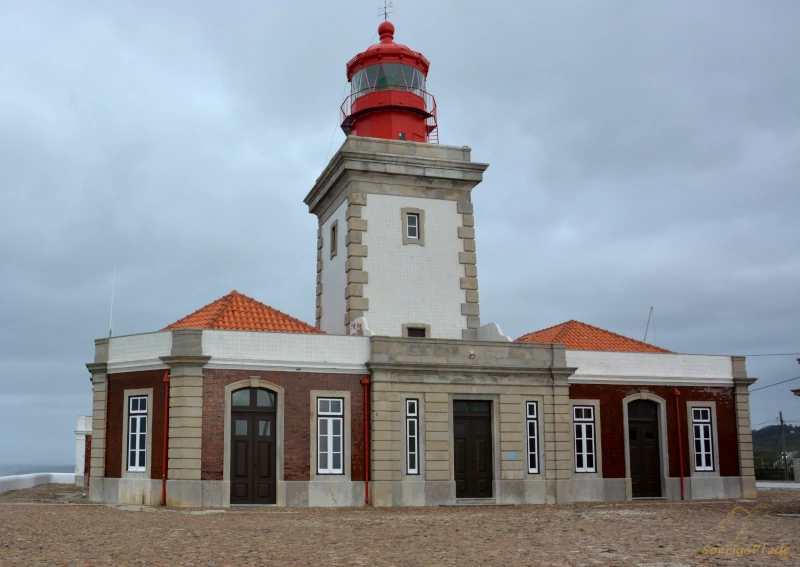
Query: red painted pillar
{"x": 365, "y": 383}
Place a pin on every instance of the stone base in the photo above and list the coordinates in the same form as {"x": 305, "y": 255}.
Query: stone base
{"x": 216, "y": 493}
{"x": 137, "y": 491}
{"x": 96, "y": 489}
{"x": 437, "y": 493}
{"x": 198, "y": 493}
{"x": 708, "y": 488}
{"x": 600, "y": 489}
{"x": 322, "y": 493}
{"x": 749, "y": 483}
{"x": 417, "y": 492}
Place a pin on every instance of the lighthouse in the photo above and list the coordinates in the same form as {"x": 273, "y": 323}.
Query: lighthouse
{"x": 387, "y": 93}
{"x": 396, "y": 252}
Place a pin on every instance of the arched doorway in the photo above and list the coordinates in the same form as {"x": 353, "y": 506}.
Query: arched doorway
{"x": 253, "y": 440}
{"x": 644, "y": 450}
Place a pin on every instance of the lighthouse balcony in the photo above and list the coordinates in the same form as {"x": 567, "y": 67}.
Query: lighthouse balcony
{"x": 407, "y": 99}
{"x": 377, "y": 98}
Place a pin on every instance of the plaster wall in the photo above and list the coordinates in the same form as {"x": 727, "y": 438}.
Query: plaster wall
{"x": 285, "y": 351}
{"x": 649, "y": 368}
{"x": 144, "y": 349}
{"x": 334, "y": 277}
{"x": 414, "y": 283}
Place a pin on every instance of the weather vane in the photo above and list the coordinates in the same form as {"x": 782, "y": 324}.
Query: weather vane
{"x": 385, "y": 11}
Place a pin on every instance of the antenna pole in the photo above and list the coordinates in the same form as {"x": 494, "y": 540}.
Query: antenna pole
{"x": 649, "y": 315}
{"x": 385, "y": 10}
{"x": 111, "y": 313}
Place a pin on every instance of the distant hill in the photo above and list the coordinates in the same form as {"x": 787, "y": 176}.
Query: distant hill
{"x": 767, "y": 439}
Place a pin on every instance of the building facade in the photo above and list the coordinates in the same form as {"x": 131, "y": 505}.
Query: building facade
{"x": 398, "y": 395}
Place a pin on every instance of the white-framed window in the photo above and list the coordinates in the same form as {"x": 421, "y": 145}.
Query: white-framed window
{"x": 532, "y": 427}
{"x": 137, "y": 433}
{"x": 330, "y": 436}
{"x": 703, "y": 443}
{"x": 412, "y": 225}
{"x": 583, "y": 425}
{"x": 412, "y": 436}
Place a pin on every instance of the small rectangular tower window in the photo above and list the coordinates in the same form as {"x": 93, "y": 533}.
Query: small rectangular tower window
{"x": 334, "y": 238}
{"x": 413, "y": 226}
{"x": 416, "y": 331}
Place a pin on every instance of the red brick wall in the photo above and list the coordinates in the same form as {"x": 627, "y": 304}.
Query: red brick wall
{"x": 612, "y": 428}
{"x": 87, "y": 454}
{"x": 297, "y": 418}
{"x": 115, "y": 414}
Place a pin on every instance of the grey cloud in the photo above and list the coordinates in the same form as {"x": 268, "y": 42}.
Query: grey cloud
{"x": 640, "y": 155}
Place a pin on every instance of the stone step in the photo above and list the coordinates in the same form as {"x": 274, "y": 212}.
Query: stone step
{"x": 476, "y": 502}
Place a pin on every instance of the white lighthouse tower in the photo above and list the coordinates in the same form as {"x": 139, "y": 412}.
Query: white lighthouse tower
{"x": 396, "y": 241}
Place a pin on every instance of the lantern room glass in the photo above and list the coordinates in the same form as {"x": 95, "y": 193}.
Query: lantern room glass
{"x": 387, "y": 76}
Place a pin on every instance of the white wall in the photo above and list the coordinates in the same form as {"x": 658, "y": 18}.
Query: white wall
{"x": 286, "y": 351}
{"x": 144, "y": 350}
{"x": 82, "y": 429}
{"x": 334, "y": 278}
{"x": 649, "y": 368}
{"x": 20, "y": 481}
{"x": 292, "y": 352}
{"x": 412, "y": 283}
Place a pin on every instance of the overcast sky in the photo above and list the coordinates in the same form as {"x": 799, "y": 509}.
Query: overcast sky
{"x": 642, "y": 153}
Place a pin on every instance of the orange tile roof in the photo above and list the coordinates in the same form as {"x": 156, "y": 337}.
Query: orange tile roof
{"x": 580, "y": 336}
{"x": 237, "y": 312}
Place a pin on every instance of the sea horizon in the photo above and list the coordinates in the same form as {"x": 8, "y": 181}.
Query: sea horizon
{"x": 10, "y": 470}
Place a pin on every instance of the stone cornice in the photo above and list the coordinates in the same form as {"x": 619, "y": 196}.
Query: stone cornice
{"x": 97, "y": 367}
{"x": 136, "y": 366}
{"x": 744, "y": 381}
{"x": 653, "y": 381}
{"x": 490, "y": 370}
{"x": 432, "y": 162}
{"x": 286, "y": 366}
{"x": 97, "y": 370}
{"x": 190, "y": 361}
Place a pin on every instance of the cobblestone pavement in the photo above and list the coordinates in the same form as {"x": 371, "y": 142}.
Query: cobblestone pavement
{"x": 53, "y": 525}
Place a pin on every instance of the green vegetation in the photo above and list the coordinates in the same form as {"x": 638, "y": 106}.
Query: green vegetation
{"x": 767, "y": 439}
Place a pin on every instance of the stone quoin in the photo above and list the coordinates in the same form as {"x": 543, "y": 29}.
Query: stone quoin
{"x": 398, "y": 394}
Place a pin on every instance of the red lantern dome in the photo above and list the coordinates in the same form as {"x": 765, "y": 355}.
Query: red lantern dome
{"x": 387, "y": 93}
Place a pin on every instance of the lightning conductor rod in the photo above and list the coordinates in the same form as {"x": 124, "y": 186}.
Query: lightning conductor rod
{"x": 647, "y": 328}
{"x": 111, "y": 311}
{"x": 385, "y": 11}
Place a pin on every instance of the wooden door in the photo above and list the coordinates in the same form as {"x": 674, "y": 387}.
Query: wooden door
{"x": 264, "y": 459}
{"x": 253, "y": 436}
{"x": 644, "y": 449}
{"x": 472, "y": 439}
